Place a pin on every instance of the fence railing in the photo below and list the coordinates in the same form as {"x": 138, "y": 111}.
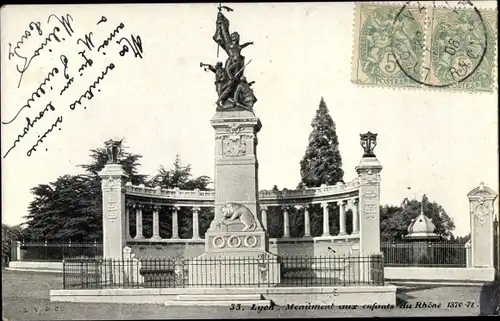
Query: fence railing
{"x": 424, "y": 254}
{"x": 223, "y": 272}
{"x": 42, "y": 251}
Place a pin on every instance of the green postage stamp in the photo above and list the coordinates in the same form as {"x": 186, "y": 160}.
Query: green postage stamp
{"x": 414, "y": 45}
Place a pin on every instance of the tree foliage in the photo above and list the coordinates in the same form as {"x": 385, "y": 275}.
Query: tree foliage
{"x": 9, "y": 235}
{"x": 129, "y": 161}
{"x": 394, "y": 220}
{"x": 322, "y": 163}
{"x": 71, "y": 206}
{"x": 179, "y": 176}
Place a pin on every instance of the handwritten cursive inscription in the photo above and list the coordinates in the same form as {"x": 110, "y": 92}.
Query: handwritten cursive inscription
{"x": 26, "y": 60}
{"x": 89, "y": 94}
{"x": 38, "y": 93}
{"x": 30, "y": 124}
{"x": 64, "y": 79}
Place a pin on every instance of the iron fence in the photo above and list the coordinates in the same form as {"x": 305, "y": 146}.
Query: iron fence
{"x": 263, "y": 271}
{"x": 45, "y": 251}
{"x": 424, "y": 254}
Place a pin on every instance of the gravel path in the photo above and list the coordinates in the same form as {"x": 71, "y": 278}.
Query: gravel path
{"x": 25, "y": 296}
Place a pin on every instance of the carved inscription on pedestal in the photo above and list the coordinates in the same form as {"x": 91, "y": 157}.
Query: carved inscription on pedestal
{"x": 112, "y": 211}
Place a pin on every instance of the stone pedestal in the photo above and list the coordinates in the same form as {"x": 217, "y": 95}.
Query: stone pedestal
{"x": 369, "y": 205}
{"x": 114, "y": 226}
{"x": 236, "y": 228}
{"x": 481, "y": 201}
{"x": 236, "y": 245}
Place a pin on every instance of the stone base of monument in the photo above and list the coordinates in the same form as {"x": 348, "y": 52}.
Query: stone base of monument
{"x": 234, "y": 259}
{"x": 234, "y": 272}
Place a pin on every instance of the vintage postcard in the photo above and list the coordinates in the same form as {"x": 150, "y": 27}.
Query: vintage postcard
{"x": 249, "y": 160}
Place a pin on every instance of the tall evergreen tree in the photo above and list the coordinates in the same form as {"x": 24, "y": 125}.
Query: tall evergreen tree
{"x": 322, "y": 163}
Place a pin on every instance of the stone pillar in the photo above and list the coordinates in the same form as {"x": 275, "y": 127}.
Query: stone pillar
{"x": 286, "y": 222}
{"x": 114, "y": 212}
{"x": 468, "y": 255}
{"x": 175, "y": 222}
{"x": 196, "y": 224}
{"x": 341, "y": 217}
{"x": 264, "y": 216}
{"x": 369, "y": 205}
{"x": 138, "y": 222}
{"x": 326, "y": 225}
{"x": 481, "y": 200}
{"x": 307, "y": 222}
{"x": 236, "y": 187}
{"x": 156, "y": 223}
{"x": 15, "y": 251}
{"x": 355, "y": 218}
{"x": 235, "y": 161}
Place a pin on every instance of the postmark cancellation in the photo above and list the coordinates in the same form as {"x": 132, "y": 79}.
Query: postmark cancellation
{"x": 409, "y": 45}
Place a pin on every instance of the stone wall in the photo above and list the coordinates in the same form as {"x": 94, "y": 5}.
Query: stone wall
{"x": 283, "y": 247}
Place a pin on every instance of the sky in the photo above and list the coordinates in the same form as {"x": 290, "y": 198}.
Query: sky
{"x": 439, "y": 143}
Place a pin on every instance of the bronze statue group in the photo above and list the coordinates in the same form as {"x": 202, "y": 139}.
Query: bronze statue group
{"x": 232, "y": 87}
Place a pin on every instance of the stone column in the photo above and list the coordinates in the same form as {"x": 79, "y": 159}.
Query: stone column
{"x": 481, "y": 200}
{"x": 326, "y": 225}
{"x": 138, "y": 222}
{"x": 156, "y": 223}
{"x": 114, "y": 212}
{"x": 307, "y": 222}
{"x": 355, "y": 218}
{"x": 196, "y": 224}
{"x": 130, "y": 208}
{"x": 341, "y": 217}
{"x": 264, "y": 216}
{"x": 286, "y": 222}
{"x": 175, "y": 223}
{"x": 369, "y": 205}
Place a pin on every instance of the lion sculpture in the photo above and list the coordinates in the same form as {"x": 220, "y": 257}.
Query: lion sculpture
{"x": 234, "y": 211}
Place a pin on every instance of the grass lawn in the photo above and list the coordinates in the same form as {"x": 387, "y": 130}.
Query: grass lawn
{"x": 25, "y": 296}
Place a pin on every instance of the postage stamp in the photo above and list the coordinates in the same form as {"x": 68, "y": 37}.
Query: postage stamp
{"x": 462, "y": 46}
{"x": 378, "y": 42}
{"x": 418, "y": 45}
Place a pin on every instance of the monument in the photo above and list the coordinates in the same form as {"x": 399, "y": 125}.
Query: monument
{"x": 368, "y": 171}
{"x": 114, "y": 218}
{"x": 481, "y": 202}
{"x": 236, "y": 230}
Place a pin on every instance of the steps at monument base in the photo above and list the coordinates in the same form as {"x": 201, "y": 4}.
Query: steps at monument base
{"x": 244, "y": 300}
{"x": 218, "y": 303}
{"x": 220, "y": 297}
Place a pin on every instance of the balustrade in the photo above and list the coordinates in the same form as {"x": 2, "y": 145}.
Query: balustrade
{"x": 343, "y": 204}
